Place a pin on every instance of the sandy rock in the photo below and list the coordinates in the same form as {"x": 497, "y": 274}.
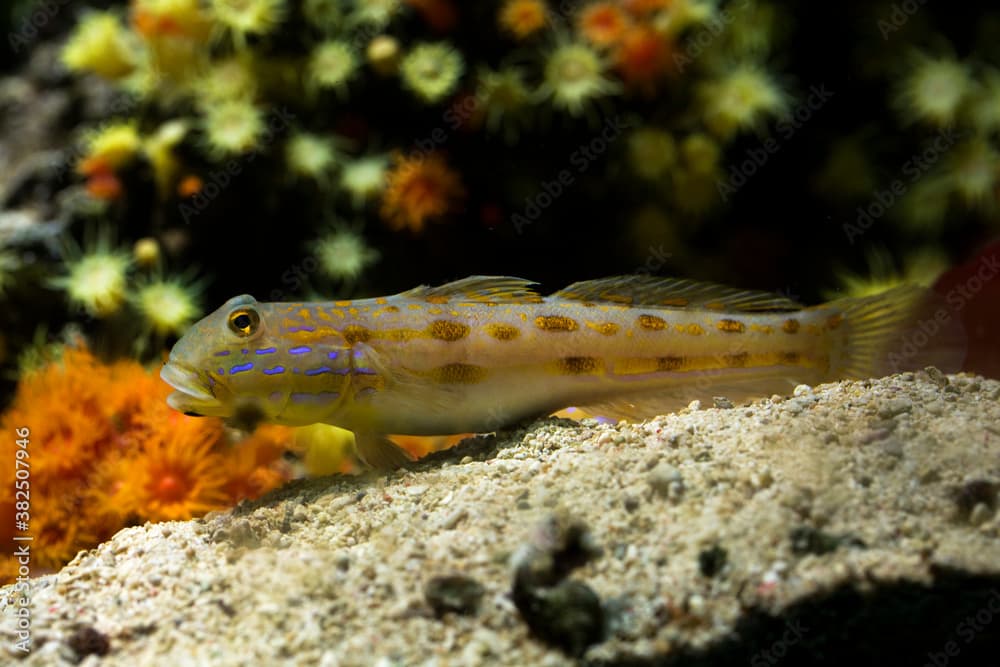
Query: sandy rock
{"x": 851, "y": 520}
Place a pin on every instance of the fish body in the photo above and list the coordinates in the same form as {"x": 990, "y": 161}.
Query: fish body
{"x": 484, "y": 352}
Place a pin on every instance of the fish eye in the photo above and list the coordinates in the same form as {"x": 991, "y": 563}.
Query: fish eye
{"x": 244, "y": 322}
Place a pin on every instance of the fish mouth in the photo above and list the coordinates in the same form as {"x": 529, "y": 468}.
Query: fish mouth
{"x": 192, "y": 395}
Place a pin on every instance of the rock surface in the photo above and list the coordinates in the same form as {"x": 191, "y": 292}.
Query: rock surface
{"x": 848, "y": 521}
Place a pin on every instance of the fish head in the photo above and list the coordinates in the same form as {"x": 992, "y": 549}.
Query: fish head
{"x": 216, "y": 368}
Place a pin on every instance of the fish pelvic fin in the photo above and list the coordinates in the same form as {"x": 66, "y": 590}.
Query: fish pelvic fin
{"x": 902, "y": 329}
{"x": 378, "y": 451}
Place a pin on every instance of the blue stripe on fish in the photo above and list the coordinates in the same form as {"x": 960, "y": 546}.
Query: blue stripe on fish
{"x": 240, "y": 368}
{"x": 319, "y": 371}
{"x": 301, "y": 349}
{"x": 267, "y": 350}
{"x": 274, "y": 371}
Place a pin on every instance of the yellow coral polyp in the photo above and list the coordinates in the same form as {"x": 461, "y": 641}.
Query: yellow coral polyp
{"x": 109, "y": 148}
{"x": 233, "y": 127}
{"x": 364, "y": 178}
{"x": 504, "y": 97}
{"x": 741, "y": 100}
{"x": 652, "y": 152}
{"x": 332, "y": 64}
{"x": 383, "y": 54}
{"x": 229, "y": 80}
{"x": 934, "y": 91}
{"x": 241, "y": 18}
{"x": 96, "y": 280}
{"x": 974, "y": 172}
{"x": 168, "y": 306}
{"x": 160, "y": 151}
{"x": 432, "y": 70}
{"x": 310, "y": 156}
{"x": 575, "y": 75}
{"x": 101, "y": 44}
{"x": 343, "y": 254}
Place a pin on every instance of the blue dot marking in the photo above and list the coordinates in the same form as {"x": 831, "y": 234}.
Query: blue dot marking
{"x": 222, "y": 353}
{"x": 239, "y": 368}
{"x": 319, "y": 371}
{"x": 267, "y": 350}
{"x": 274, "y": 371}
{"x": 332, "y": 355}
{"x": 302, "y": 349}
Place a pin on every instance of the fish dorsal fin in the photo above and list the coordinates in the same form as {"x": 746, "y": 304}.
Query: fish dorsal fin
{"x": 640, "y": 290}
{"x": 486, "y": 289}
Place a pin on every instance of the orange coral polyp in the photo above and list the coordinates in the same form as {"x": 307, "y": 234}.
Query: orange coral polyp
{"x": 642, "y": 56}
{"x": 603, "y": 23}
{"x": 523, "y": 18}
{"x": 419, "y": 189}
{"x": 107, "y": 451}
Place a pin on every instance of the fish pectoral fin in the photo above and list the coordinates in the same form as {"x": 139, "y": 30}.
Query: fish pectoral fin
{"x": 378, "y": 451}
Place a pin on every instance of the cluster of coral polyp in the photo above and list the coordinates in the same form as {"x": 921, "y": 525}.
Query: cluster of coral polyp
{"x": 104, "y": 451}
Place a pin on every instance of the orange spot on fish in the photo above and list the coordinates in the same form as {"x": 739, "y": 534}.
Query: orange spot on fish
{"x": 447, "y": 330}
{"x": 730, "y": 326}
{"x": 503, "y": 331}
{"x": 459, "y": 374}
{"x": 652, "y": 322}
{"x": 578, "y": 365}
{"x": 737, "y": 359}
{"x": 555, "y": 323}
{"x": 356, "y": 334}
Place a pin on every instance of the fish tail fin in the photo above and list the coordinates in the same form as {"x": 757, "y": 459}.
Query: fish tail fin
{"x": 902, "y": 329}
